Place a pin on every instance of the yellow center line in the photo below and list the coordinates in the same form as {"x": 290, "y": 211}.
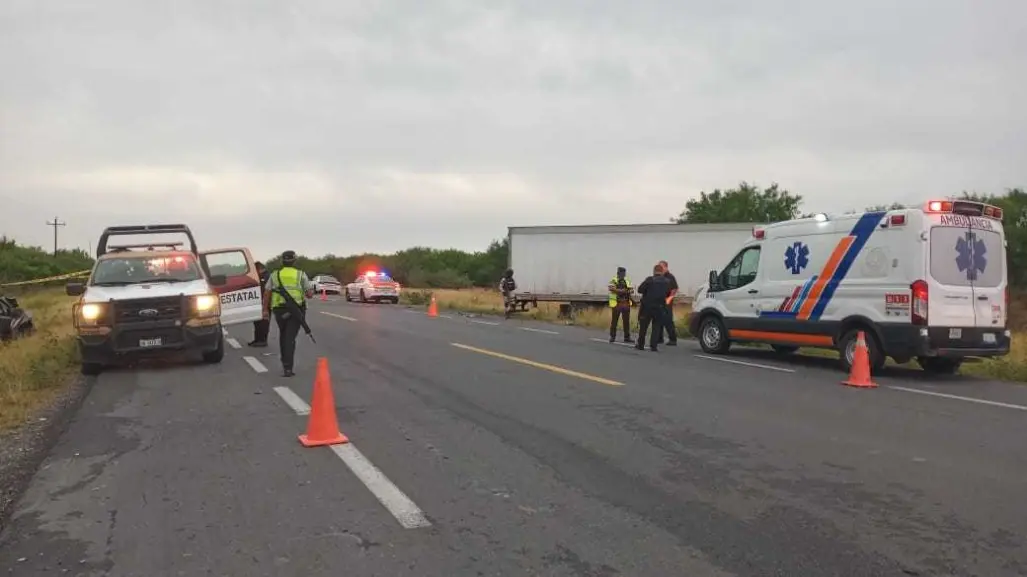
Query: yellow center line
{"x": 539, "y": 365}
{"x": 345, "y": 318}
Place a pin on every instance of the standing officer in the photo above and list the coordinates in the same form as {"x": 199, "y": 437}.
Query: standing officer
{"x": 299, "y": 287}
{"x": 620, "y": 304}
{"x": 507, "y": 286}
{"x": 668, "y": 317}
{"x": 262, "y": 327}
{"x": 653, "y": 308}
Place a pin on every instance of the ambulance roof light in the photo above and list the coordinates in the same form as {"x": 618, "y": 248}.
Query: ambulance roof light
{"x": 759, "y": 233}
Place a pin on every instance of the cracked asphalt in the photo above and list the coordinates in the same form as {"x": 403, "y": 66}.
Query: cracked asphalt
{"x": 530, "y": 449}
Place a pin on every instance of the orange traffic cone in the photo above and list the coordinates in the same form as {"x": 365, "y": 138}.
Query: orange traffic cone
{"x": 859, "y": 376}
{"x": 322, "y": 425}
{"x": 433, "y": 308}
{"x": 324, "y": 295}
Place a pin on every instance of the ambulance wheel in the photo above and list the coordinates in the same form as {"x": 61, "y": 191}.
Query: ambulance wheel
{"x": 784, "y": 349}
{"x": 713, "y": 336}
{"x": 847, "y": 349}
{"x": 939, "y": 365}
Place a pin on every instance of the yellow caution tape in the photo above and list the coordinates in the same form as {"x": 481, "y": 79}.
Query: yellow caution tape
{"x": 48, "y": 279}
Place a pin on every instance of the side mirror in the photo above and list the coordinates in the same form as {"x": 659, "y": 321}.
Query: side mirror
{"x": 714, "y": 278}
{"x": 218, "y": 280}
{"x": 75, "y": 289}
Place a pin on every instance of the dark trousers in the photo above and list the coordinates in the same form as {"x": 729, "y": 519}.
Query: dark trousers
{"x": 260, "y": 330}
{"x": 668, "y": 325}
{"x": 288, "y": 328}
{"x": 650, "y": 317}
{"x": 618, "y": 313}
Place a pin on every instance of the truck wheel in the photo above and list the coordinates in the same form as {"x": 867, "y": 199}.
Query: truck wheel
{"x": 847, "y": 349}
{"x": 784, "y": 349}
{"x": 713, "y": 336}
{"x": 215, "y": 356}
{"x": 92, "y": 369}
{"x": 939, "y": 366}
{"x": 394, "y": 301}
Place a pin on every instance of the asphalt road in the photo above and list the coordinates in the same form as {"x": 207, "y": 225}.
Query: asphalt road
{"x": 486, "y": 447}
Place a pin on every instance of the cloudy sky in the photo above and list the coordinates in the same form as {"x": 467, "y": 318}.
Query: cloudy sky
{"x": 356, "y": 125}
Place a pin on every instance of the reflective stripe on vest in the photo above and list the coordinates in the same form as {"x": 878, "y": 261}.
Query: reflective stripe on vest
{"x": 289, "y": 278}
{"x": 613, "y": 295}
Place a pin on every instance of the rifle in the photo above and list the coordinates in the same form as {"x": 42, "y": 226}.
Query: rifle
{"x": 293, "y": 306}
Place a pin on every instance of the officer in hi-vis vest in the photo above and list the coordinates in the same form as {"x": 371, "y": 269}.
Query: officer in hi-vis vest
{"x": 620, "y": 304}
{"x": 289, "y": 315}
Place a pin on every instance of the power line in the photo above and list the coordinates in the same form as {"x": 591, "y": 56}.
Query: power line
{"x": 56, "y": 223}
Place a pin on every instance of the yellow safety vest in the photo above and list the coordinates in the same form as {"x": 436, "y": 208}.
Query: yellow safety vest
{"x": 613, "y": 295}
{"x": 289, "y": 278}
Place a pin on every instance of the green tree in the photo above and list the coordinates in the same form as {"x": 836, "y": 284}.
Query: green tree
{"x": 747, "y": 203}
{"x": 885, "y": 207}
{"x": 20, "y": 263}
{"x": 420, "y": 267}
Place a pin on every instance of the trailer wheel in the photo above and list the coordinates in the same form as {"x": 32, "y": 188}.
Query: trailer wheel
{"x": 713, "y": 336}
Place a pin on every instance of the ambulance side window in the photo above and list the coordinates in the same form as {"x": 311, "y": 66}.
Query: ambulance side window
{"x": 742, "y": 269}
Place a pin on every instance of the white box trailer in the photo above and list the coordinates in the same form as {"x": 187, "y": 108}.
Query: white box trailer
{"x": 574, "y": 264}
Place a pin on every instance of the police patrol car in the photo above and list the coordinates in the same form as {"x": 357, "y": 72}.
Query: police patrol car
{"x": 928, "y": 283}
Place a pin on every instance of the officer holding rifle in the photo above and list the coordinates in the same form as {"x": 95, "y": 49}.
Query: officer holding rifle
{"x": 289, "y": 290}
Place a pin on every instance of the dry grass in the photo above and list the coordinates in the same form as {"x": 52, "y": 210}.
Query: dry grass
{"x": 1012, "y": 367}
{"x": 35, "y": 368}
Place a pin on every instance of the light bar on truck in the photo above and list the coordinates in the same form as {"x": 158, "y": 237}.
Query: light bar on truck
{"x": 965, "y": 207}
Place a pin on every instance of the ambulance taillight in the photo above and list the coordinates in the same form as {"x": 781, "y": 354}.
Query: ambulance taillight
{"x": 918, "y": 311}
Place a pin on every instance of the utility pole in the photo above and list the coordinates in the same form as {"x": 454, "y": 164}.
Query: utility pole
{"x": 56, "y": 223}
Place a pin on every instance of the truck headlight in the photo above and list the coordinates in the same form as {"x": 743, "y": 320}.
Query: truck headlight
{"x": 206, "y": 305}
{"x": 90, "y": 311}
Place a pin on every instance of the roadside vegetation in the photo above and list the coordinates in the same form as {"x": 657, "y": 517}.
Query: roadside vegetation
{"x": 35, "y": 368}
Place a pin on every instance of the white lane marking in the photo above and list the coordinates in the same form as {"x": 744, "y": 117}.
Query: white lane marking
{"x": 224, "y": 331}
{"x": 757, "y": 365}
{"x": 446, "y": 316}
{"x": 623, "y": 344}
{"x": 409, "y": 515}
{"x": 343, "y": 317}
{"x": 255, "y": 364}
{"x": 539, "y": 331}
{"x": 293, "y": 400}
{"x": 411, "y": 311}
{"x": 485, "y": 323}
{"x": 959, "y": 398}
{"x": 233, "y": 343}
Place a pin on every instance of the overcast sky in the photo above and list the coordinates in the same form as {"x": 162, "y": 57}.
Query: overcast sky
{"x": 354, "y": 125}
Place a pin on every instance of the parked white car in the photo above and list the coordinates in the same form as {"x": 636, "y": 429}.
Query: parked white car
{"x": 327, "y": 284}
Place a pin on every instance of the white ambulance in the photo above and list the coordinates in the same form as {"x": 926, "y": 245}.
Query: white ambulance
{"x": 927, "y": 283}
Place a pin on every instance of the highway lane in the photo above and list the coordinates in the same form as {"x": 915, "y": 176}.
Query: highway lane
{"x": 690, "y": 467}
{"x": 901, "y": 472}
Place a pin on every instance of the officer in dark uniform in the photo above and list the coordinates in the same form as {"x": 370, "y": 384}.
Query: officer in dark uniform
{"x": 653, "y": 308}
{"x": 668, "y": 318}
{"x": 262, "y": 327}
{"x": 298, "y": 286}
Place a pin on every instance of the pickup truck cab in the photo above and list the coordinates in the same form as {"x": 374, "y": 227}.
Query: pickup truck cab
{"x": 156, "y": 298}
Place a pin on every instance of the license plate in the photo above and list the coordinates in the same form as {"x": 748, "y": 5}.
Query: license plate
{"x": 151, "y": 342}
{"x": 989, "y": 338}
{"x": 955, "y": 333}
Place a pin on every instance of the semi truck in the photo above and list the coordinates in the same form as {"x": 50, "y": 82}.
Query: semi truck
{"x": 574, "y": 264}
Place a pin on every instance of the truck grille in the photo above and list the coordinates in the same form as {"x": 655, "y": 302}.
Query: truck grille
{"x": 147, "y": 310}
